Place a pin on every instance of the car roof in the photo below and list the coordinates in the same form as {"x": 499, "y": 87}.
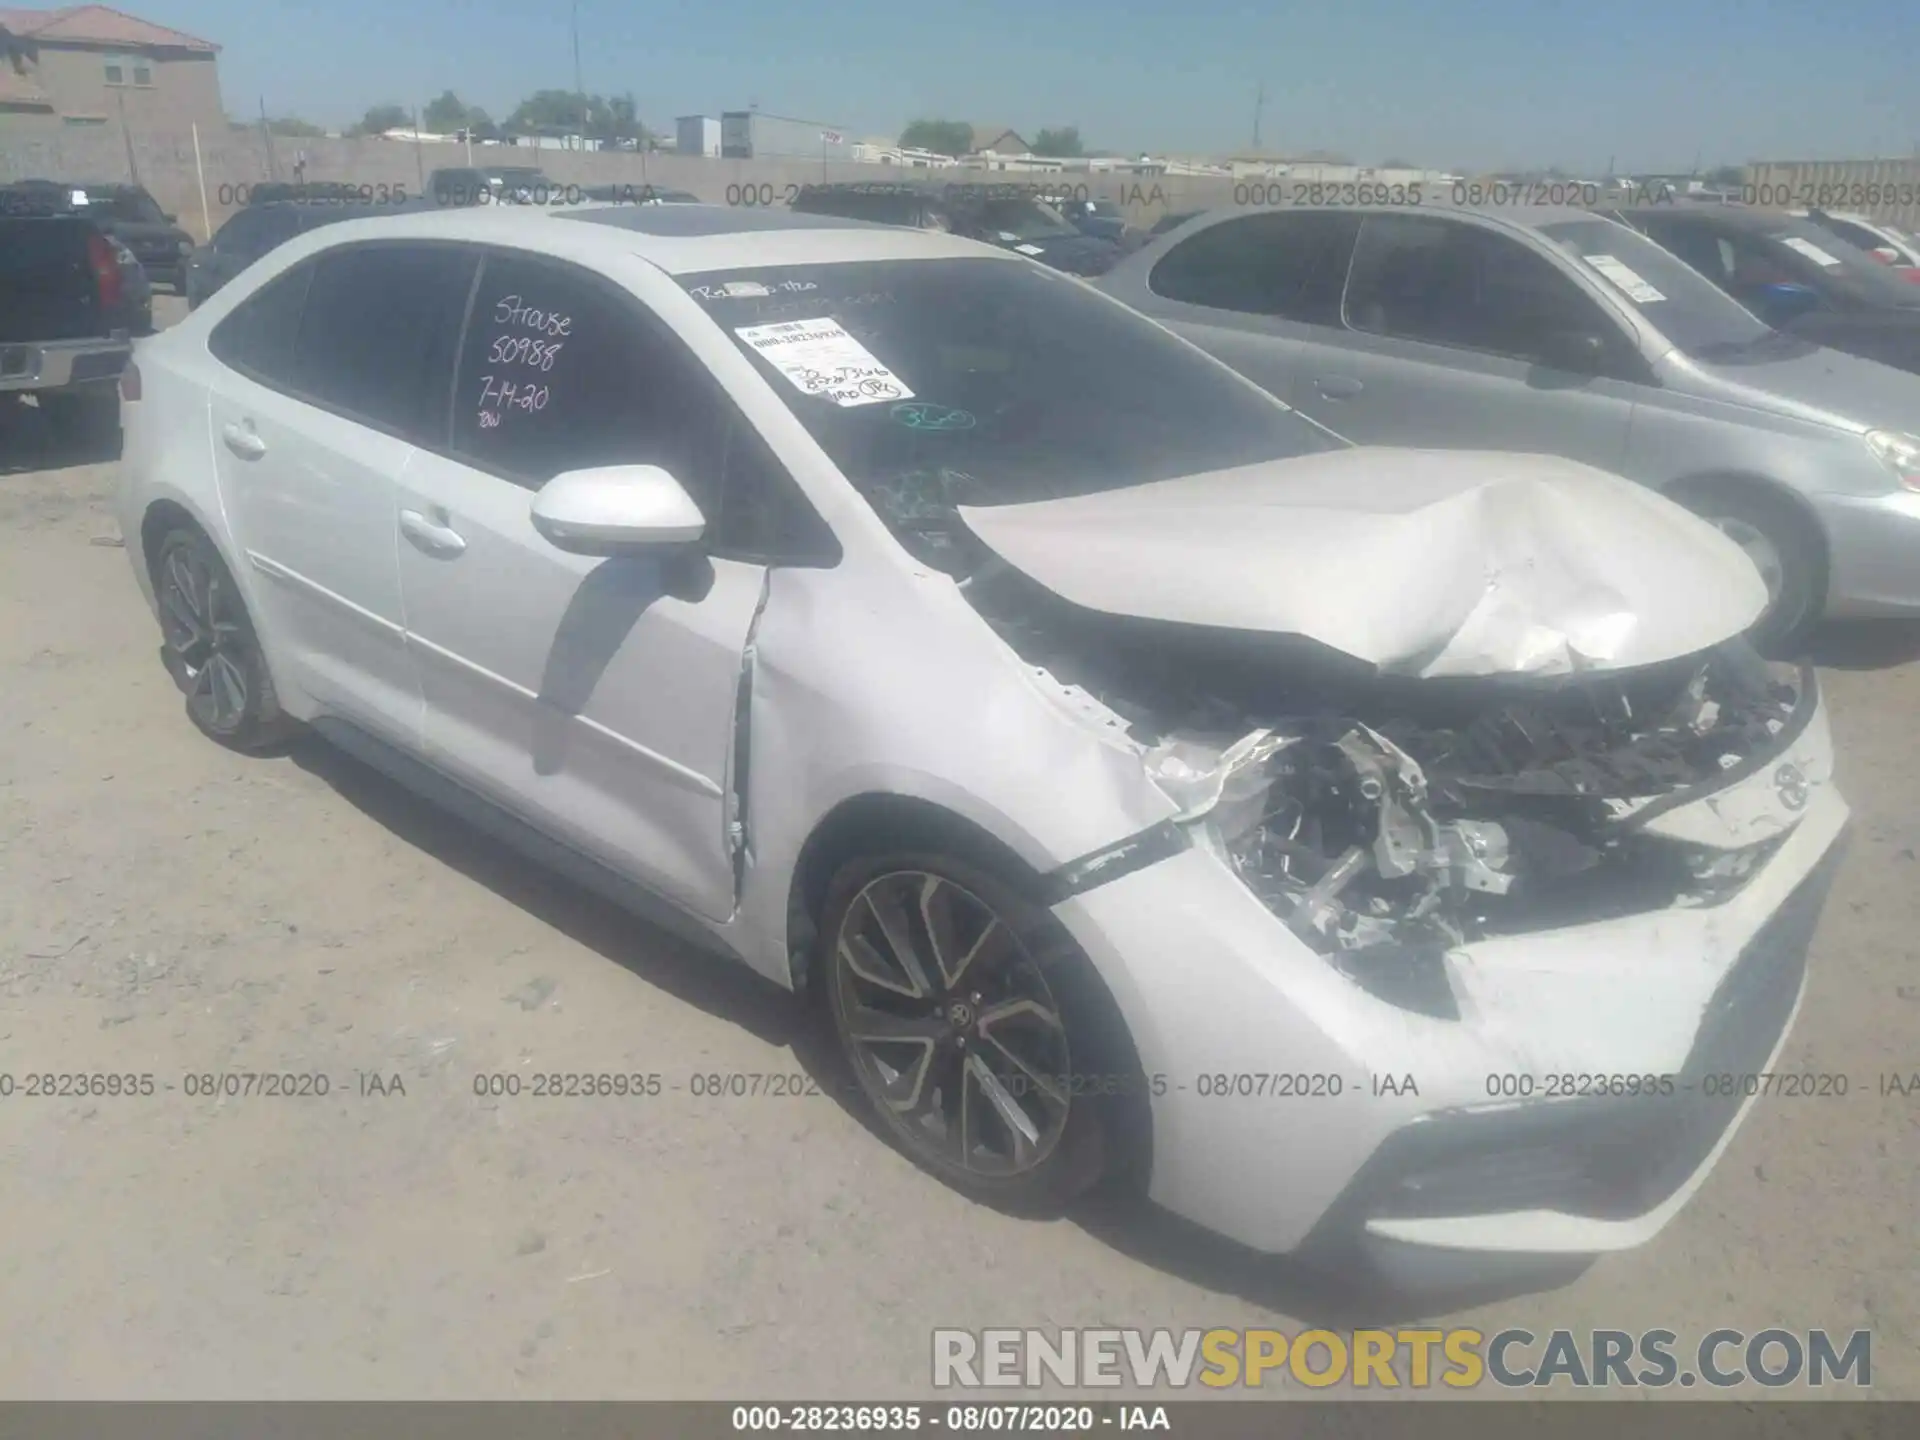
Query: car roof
{"x": 1730, "y": 217}
{"x": 1524, "y": 217}
{"x": 680, "y": 239}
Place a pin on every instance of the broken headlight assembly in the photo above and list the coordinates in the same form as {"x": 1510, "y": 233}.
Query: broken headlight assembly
{"x": 1383, "y": 845}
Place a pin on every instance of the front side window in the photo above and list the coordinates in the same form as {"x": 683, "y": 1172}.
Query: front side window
{"x": 257, "y": 338}
{"x": 378, "y": 334}
{"x": 564, "y": 371}
{"x": 1446, "y": 283}
{"x": 1288, "y": 266}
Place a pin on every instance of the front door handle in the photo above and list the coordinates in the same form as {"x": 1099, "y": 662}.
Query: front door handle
{"x": 1337, "y": 387}
{"x": 242, "y": 441}
{"x": 436, "y": 539}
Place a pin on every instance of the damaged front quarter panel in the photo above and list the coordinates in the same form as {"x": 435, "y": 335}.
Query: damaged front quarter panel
{"x": 1385, "y": 845}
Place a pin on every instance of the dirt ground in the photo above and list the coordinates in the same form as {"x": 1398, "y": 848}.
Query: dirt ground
{"x": 169, "y": 908}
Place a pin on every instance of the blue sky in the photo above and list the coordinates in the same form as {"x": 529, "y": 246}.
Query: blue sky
{"x": 1482, "y": 83}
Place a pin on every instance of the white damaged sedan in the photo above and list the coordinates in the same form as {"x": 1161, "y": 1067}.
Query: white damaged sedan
{"x": 1368, "y": 848}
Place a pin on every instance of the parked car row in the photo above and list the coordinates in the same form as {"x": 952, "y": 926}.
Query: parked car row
{"x": 1572, "y": 333}
{"x": 1372, "y": 851}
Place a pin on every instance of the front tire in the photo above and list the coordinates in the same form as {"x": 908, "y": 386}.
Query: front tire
{"x": 210, "y": 647}
{"x": 977, "y": 1030}
{"x": 1785, "y": 547}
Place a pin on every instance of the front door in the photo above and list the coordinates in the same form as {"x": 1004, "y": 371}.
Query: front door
{"x": 595, "y": 696}
{"x": 1443, "y": 320}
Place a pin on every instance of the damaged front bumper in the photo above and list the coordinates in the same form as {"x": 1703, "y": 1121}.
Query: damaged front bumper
{"x": 1360, "y": 1121}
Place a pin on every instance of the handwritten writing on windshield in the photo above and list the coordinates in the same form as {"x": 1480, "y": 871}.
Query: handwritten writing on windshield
{"x": 529, "y": 339}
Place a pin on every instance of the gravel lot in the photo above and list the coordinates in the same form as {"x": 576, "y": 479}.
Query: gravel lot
{"x": 168, "y": 907}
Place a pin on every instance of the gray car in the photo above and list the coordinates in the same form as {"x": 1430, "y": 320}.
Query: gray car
{"x": 1559, "y": 331}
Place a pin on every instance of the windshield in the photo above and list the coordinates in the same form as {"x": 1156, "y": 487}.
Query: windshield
{"x": 936, "y": 383}
{"x": 1816, "y": 256}
{"x": 131, "y": 207}
{"x": 1022, "y": 220}
{"x": 520, "y": 178}
{"x": 1700, "y": 319}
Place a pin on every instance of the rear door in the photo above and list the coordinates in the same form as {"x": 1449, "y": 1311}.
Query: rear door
{"x": 1258, "y": 291}
{"x": 1444, "y": 321}
{"x": 334, "y": 370}
{"x": 595, "y": 696}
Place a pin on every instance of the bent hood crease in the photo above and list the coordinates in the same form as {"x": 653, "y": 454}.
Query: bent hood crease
{"x": 1420, "y": 562}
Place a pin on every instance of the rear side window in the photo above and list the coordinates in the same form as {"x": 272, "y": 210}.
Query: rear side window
{"x": 379, "y": 331}
{"x": 257, "y": 338}
{"x": 1287, "y": 266}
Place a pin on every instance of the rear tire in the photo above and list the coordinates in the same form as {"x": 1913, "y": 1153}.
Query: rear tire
{"x": 1008, "y": 1075}
{"x": 210, "y": 648}
{"x": 1785, "y": 546}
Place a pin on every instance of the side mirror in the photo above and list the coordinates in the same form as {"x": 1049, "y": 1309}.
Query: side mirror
{"x": 171, "y": 219}
{"x": 615, "y": 508}
{"x": 1581, "y": 352}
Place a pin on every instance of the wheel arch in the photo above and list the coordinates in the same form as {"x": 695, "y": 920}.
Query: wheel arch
{"x": 886, "y": 820}
{"x": 1771, "y": 492}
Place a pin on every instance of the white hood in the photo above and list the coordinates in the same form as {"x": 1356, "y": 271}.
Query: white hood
{"x": 1421, "y": 562}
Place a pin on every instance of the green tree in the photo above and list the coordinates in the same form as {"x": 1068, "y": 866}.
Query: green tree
{"x": 567, "y": 112}
{"x": 446, "y": 114}
{"x": 296, "y": 128}
{"x": 1061, "y": 144}
{"x": 1398, "y": 164}
{"x": 551, "y": 112}
{"x": 942, "y": 137}
{"x": 1726, "y": 176}
{"x": 382, "y": 118}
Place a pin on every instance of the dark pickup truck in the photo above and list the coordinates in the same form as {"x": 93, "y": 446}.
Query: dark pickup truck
{"x": 65, "y": 318}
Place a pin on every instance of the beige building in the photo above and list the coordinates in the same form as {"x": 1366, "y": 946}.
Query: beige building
{"x": 89, "y": 65}
{"x": 998, "y": 140}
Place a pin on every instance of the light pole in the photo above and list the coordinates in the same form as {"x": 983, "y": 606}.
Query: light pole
{"x": 577, "y": 88}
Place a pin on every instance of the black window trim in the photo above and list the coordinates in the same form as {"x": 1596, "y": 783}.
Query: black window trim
{"x": 312, "y": 264}
{"x": 826, "y": 555}
{"x": 1629, "y": 337}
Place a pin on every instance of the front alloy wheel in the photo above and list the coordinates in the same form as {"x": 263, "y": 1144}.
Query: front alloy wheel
{"x": 951, "y": 1026}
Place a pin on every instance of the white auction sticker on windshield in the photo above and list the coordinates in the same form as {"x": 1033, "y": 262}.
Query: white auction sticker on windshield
{"x": 820, "y": 358}
{"x": 1624, "y": 277}
{"x": 1812, "y": 251}
{"x": 1030, "y": 249}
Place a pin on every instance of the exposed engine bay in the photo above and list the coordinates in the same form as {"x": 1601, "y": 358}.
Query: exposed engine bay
{"x": 1378, "y": 813}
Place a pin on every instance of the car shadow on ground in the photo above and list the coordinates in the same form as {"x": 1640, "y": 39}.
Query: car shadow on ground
{"x": 1121, "y": 1219}
{"x": 27, "y": 442}
{"x": 1865, "y": 644}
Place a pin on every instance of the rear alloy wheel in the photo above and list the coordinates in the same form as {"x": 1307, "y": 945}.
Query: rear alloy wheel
{"x": 1784, "y": 548}
{"x": 966, "y": 1018}
{"x": 209, "y": 646}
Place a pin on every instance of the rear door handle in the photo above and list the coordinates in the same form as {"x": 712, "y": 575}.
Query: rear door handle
{"x": 242, "y": 441}
{"x": 1337, "y": 387}
{"x": 431, "y": 536}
